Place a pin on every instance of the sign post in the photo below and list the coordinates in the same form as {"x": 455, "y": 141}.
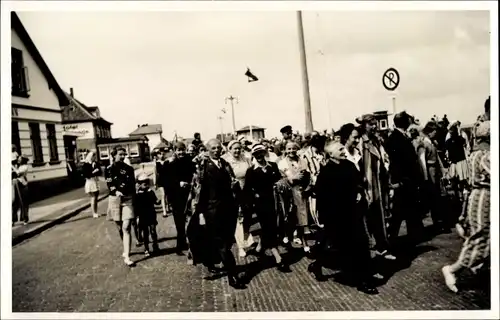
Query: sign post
{"x": 390, "y": 81}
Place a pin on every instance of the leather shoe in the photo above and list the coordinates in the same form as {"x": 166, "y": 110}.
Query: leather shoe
{"x": 367, "y": 289}
{"x": 236, "y": 283}
{"x": 282, "y": 267}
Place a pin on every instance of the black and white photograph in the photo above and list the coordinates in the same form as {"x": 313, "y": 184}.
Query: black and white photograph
{"x": 249, "y": 159}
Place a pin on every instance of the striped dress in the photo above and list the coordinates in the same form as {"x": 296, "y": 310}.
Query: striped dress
{"x": 476, "y": 216}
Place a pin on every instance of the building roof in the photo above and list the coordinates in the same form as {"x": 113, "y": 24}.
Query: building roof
{"x": 18, "y": 27}
{"x": 247, "y": 128}
{"x": 125, "y": 140}
{"x": 77, "y": 111}
{"x": 144, "y": 129}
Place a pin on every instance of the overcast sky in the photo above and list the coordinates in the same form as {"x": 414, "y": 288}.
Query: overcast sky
{"x": 176, "y": 68}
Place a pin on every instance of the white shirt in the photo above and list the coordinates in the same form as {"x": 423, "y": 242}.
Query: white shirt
{"x": 354, "y": 158}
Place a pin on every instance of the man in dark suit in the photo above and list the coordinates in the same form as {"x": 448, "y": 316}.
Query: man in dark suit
{"x": 405, "y": 179}
{"x": 217, "y": 206}
{"x": 181, "y": 171}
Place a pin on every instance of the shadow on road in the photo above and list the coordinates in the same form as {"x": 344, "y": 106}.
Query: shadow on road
{"x": 264, "y": 262}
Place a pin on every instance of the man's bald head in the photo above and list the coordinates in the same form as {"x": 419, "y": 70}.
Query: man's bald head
{"x": 214, "y": 148}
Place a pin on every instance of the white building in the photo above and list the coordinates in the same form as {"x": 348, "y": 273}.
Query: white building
{"x": 37, "y": 99}
{"x": 151, "y": 131}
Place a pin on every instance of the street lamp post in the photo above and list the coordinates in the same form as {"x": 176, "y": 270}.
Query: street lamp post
{"x": 232, "y": 99}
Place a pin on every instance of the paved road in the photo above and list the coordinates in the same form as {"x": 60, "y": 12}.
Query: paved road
{"x": 77, "y": 267}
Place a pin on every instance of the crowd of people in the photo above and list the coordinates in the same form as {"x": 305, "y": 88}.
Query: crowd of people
{"x": 343, "y": 194}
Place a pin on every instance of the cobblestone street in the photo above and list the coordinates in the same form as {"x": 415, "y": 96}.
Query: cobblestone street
{"x": 77, "y": 267}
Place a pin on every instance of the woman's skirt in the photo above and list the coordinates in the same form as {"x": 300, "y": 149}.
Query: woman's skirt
{"x": 459, "y": 170}
{"x": 301, "y": 206}
{"x": 120, "y": 209}
{"x": 91, "y": 185}
{"x": 476, "y": 248}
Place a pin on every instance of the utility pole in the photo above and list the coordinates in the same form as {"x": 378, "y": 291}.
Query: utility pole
{"x": 221, "y": 128}
{"x": 232, "y": 99}
{"x": 305, "y": 76}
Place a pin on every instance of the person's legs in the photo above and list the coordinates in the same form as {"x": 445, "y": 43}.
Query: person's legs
{"x": 119, "y": 226}
{"x": 93, "y": 203}
{"x": 180, "y": 224}
{"x": 127, "y": 240}
{"x": 163, "y": 200}
{"x": 145, "y": 237}
{"x": 154, "y": 237}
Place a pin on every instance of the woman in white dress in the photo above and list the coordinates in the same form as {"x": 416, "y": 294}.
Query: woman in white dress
{"x": 240, "y": 163}
{"x": 91, "y": 173}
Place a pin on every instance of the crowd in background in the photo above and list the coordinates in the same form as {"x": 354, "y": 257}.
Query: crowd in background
{"x": 338, "y": 195}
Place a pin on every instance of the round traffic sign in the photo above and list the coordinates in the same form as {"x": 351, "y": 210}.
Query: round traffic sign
{"x": 390, "y": 80}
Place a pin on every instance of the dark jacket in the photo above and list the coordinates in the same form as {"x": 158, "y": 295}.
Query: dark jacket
{"x": 337, "y": 188}
{"x": 120, "y": 177}
{"x": 162, "y": 171}
{"x": 179, "y": 170}
{"x": 404, "y": 167}
{"x": 144, "y": 207}
{"x": 88, "y": 168}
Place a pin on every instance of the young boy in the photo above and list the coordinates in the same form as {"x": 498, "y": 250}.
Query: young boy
{"x": 145, "y": 208}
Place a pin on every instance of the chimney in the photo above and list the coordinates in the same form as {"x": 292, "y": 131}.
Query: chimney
{"x": 71, "y": 92}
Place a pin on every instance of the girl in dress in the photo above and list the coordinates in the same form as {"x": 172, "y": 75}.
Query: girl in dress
{"x": 91, "y": 173}
{"x": 294, "y": 169}
{"x": 474, "y": 223}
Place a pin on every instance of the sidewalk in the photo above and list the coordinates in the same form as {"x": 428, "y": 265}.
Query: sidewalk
{"x": 46, "y": 213}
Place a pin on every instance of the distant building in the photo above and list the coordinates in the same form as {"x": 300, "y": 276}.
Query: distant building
{"x": 382, "y": 118}
{"x": 257, "y": 133}
{"x": 152, "y": 131}
{"x": 83, "y": 129}
{"x": 36, "y": 113}
{"x": 137, "y": 148}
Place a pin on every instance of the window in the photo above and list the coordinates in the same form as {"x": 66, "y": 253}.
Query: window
{"x": 36, "y": 142}
{"x": 51, "y": 137}
{"x": 20, "y": 78}
{"x": 16, "y": 140}
{"x": 133, "y": 150}
{"x": 383, "y": 124}
{"x": 104, "y": 153}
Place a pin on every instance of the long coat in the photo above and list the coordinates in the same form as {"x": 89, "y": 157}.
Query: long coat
{"x": 220, "y": 218}
{"x": 374, "y": 166}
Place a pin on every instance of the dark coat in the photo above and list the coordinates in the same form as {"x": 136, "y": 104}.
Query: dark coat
{"x": 120, "y": 177}
{"x": 337, "y": 188}
{"x": 404, "y": 167}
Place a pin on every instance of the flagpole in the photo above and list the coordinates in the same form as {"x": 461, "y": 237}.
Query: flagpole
{"x": 305, "y": 76}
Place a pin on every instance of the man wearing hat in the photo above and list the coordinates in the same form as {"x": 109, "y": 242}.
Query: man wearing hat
{"x": 405, "y": 178}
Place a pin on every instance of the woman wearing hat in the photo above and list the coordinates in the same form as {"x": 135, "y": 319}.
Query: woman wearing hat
{"x": 259, "y": 186}
{"x": 20, "y": 185}
{"x": 474, "y": 223}
{"x": 91, "y": 173}
{"x": 240, "y": 164}
{"x": 374, "y": 159}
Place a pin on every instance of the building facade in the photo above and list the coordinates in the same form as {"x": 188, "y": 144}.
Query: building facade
{"x": 83, "y": 129}
{"x": 256, "y": 133}
{"x": 153, "y": 132}
{"x": 37, "y": 100}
